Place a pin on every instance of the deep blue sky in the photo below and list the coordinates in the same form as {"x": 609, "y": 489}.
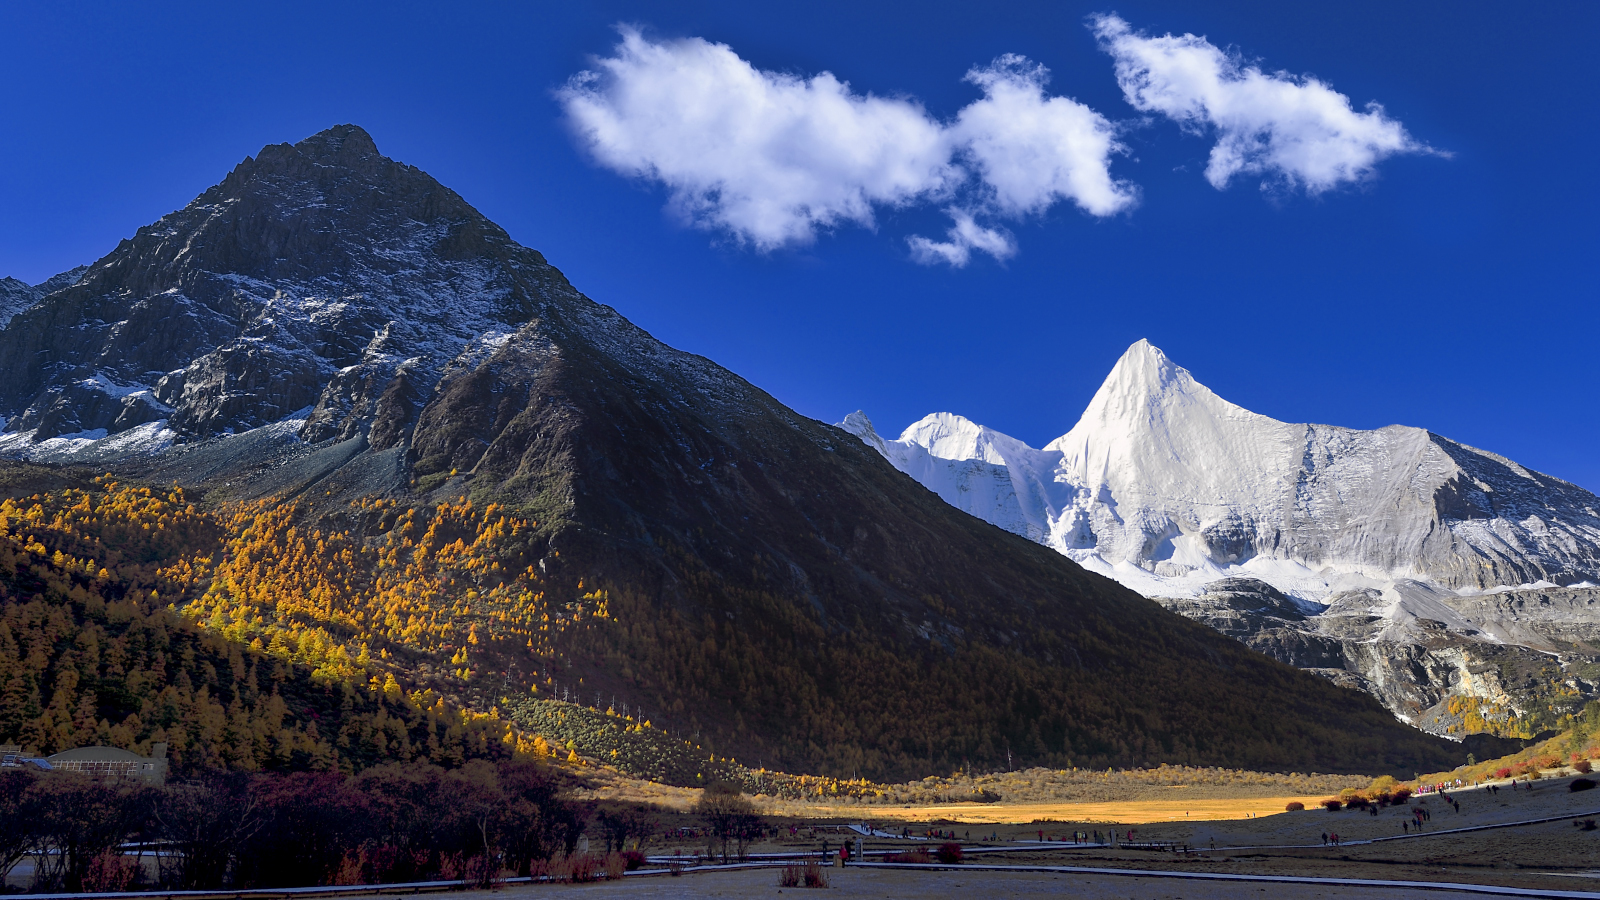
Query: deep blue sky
{"x": 1454, "y": 294}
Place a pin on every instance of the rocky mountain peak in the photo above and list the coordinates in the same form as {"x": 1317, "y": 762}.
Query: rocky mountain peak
{"x": 15, "y": 296}
{"x": 311, "y": 280}
{"x": 338, "y": 151}
{"x": 343, "y": 145}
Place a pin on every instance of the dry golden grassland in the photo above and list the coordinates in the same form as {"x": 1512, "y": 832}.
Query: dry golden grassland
{"x": 1122, "y": 812}
{"x": 1165, "y": 794}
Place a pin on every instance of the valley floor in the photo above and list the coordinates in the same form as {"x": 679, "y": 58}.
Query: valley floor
{"x": 881, "y": 883}
{"x": 1174, "y": 808}
{"x": 1495, "y": 839}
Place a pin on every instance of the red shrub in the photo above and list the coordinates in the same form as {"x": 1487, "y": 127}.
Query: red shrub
{"x": 1333, "y": 804}
{"x": 579, "y": 868}
{"x": 918, "y": 855}
{"x": 1503, "y": 772}
{"x": 1584, "y": 766}
{"x": 1294, "y": 806}
{"x": 1401, "y": 795}
{"x": 949, "y": 853}
{"x": 110, "y": 871}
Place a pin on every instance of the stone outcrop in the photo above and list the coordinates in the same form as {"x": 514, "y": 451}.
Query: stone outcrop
{"x": 308, "y": 282}
{"x": 1515, "y": 652}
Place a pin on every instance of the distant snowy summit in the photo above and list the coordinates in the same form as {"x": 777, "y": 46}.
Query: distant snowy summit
{"x": 1452, "y": 584}
{"x": 1167, "y": 487}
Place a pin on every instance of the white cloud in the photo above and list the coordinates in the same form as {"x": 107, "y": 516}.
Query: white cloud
{"x": 1033, "y": 150}
{"x": 965, "y": 236}
{"x": 770, "y": 158}
{"x": 1290, "y": 129}
{"x": 767, "y": 156}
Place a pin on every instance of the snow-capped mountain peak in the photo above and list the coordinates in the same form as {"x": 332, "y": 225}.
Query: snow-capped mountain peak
{"x": 1166, "y": 486}
{"x": 1148, "y": 394}
{"x": 1152, "y": 433}
{"x": 949, "y": 436}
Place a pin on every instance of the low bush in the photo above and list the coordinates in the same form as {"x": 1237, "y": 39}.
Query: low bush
{"x": 482, "y": 872}
{"x": 1584, "y": 766}
{"x": 579, "y": 868}
{"x": 1401, "y": 795}
{"x": 812, "y": 875}
{"x": 1294, "y": 806}
{"x": 615, "y": 865}
{"x": 634, "y": 859}
{"x": 1333, "y": 804}
{"x": 1503, "y": 772}
{"x": 918, "y": 855}
{"x": 949, "y": 854}
{"x": 110, "y": 872}
{"x": 789, "y": 876}
{"x": 1581, "y": 784}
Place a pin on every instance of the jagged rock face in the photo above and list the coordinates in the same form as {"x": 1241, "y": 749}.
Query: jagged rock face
{"x": 1167, "y": 487}
{"x": 315, "y": 279}
{"x": 16, "y": 296}
{"x": 375, "y": 335}
{"x": 1513, "y": 650}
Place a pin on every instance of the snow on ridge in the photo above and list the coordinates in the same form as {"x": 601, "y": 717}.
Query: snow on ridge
{"x": 1166, "y": 487}
{"x": 83, "y": 446}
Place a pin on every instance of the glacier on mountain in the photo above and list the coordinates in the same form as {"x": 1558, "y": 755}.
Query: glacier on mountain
{"x": 1167, "y": 487}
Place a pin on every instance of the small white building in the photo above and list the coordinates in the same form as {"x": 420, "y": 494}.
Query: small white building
{"x": 113, "y": 762}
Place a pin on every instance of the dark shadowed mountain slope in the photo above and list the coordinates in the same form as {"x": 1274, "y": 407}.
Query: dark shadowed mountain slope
{"x": 772, "y": 583}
